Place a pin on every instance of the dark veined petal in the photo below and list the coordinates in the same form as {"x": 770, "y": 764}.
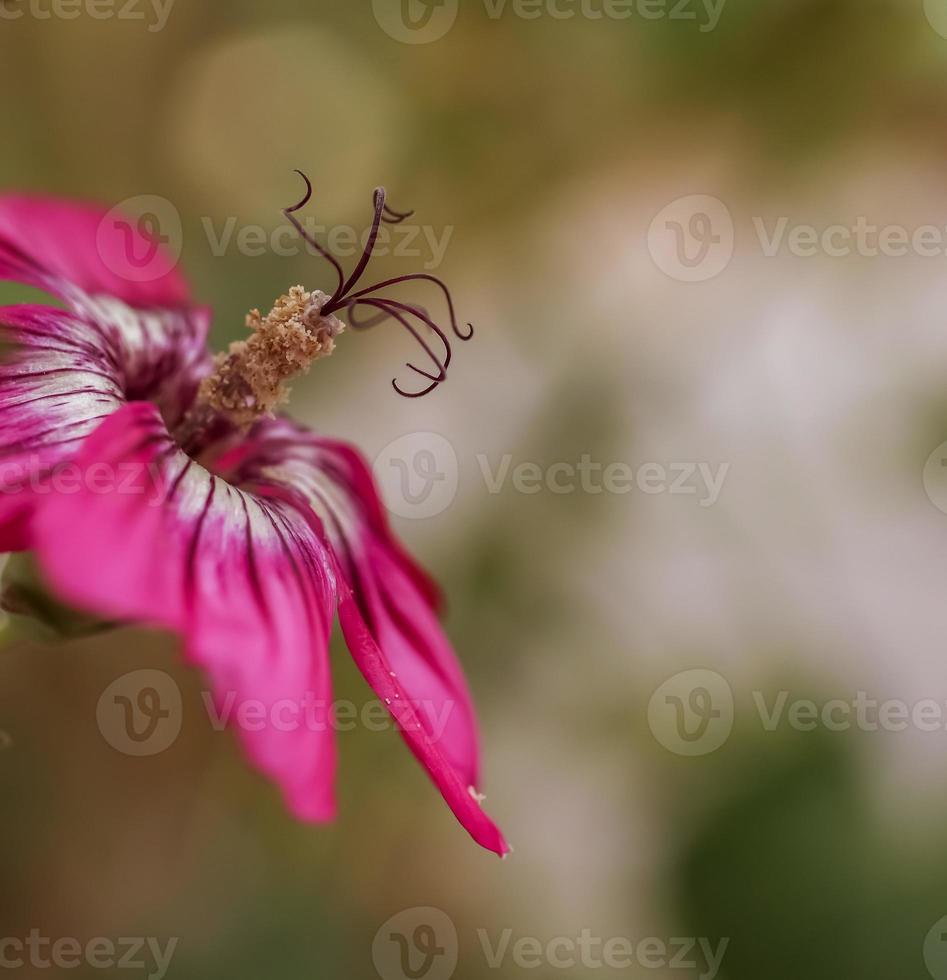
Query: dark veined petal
{"x": 386, "y": 608}
{"x": 57, "y": 384}
{"x": 61, "y": 374}
{"x": 161, "y": 353}
{"x": 148, "y": 327}
{"x": 62, "y": 371}
{"x": 244, "y": 580}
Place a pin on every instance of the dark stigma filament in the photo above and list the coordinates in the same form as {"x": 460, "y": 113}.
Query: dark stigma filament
{"x": 415, "y": 319}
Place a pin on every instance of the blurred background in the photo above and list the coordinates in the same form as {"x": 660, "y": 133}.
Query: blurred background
{"x": 661, "y": 225}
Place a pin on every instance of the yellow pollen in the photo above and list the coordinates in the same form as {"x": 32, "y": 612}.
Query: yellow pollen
{"x": 249, "y": 380}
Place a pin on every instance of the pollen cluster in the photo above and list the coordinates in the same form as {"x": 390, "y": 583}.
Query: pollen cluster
{"x": 249, "y": 380}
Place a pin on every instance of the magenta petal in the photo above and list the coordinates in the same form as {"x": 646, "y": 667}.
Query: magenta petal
{"x": 244, "y": 581}
{"x": 385, "y": 608}
{"x": 62, "y": 374}
{"x": 397, "y": 601}
{"x": 46, "y": 242}
{"x": 154, "y": 340}
{"x": 57, "y": 382}
{"x": 56, "y": 386}
{"x": 460, "y": 796}
{"x": 348, "y": 468}
{"x": 406, "y": 629}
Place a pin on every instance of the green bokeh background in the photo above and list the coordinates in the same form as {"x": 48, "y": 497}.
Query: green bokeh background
{"x": 547, "y": 146}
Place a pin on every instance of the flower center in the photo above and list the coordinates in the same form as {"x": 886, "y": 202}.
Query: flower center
{"x": 249, "y": 380}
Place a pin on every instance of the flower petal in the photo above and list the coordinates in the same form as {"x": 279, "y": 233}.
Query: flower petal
{"x": 161, "y": 353}
{"x": 244, "y": 580}
{"x": 385, "y": 608}
{"x": 55, "y": 244}
{"x": 76, "y": 252}
{"x": 460, "y": 796}
{"x": 63, "y": 373}
{"x": 56, "y": 386}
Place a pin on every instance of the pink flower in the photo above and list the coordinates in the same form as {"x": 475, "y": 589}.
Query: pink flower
{"x": 243, "y": 539}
